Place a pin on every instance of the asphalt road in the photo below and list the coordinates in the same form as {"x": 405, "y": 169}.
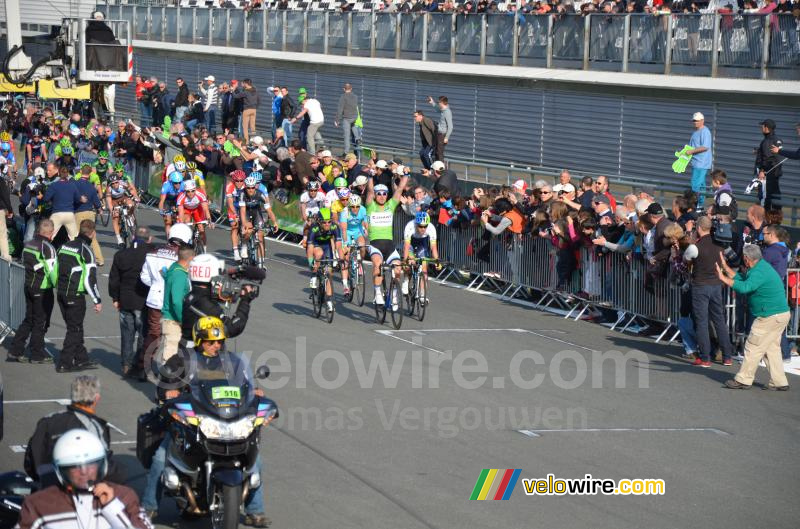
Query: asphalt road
{"x": 404, "y": 448}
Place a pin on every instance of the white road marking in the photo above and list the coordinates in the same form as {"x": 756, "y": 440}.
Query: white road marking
{"x": 61, "y": 338}
{"x": 18, "y": 449}
{"x": 538, "y": 433}
{"x": 423, "y": 331}
{"x": 390, "y": 335}
{"x": 117, "y": 429}
{"x": 63, "y": 402}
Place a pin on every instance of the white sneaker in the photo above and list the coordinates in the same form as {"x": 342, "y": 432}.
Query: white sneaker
{"x": 119, "y": 240}
{"x": 379, "y": 298}
{"x": 404, "y": 287}
{"x": 330, "y": 306}
{"x": 236, "y": 256}
{"x": 313, "y": 283}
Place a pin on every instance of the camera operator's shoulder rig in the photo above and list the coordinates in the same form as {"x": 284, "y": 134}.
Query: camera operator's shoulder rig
{"x": 228, "y": 287}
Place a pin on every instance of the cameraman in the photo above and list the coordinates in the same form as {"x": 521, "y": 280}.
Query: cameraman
{"x": 768, "y": 165}
{"x": 708, "y": 305}
{"x": 206, "y": 298}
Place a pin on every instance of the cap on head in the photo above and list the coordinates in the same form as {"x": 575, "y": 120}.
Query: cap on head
{"x": 360, "y": 180}
{"x": 520, "y": 186}
{"x": 437, "y": 166}
{"x": 210, "y": 78}
{"x": 698, "y": 116}
{"x": 655, "y": 209}
{"x": 326, "y": 154}
{"x": 769, "y": 123}
{"x": 381, "y": 164}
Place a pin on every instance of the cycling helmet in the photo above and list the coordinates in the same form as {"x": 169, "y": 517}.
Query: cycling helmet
{"x": 238, "y": 175}
{"x": 64, "y": 142}
{"x": 422, "y": 218}
{"x": 381, "y": 188}
{"x": 313, "y": 185}
{"x": 179, "y": 158}
{"x": 5, "y": 146}
{"x": 189, "y": 185}
{"x": 354, "y": 201}
{"x": 6, "y": 136}
{"x": 191, "y": 166}
{"x": 180, "y": 233}
{"x": 119, "y": 167}
{"x": 80, "y": 449}
{"x": 340, "y": 182}
{"x": 324, "y": 214}
{"x": 66, "y": 151}
{"x": 257, "y": 175}
{"x": 343, "y": 192}
{"x": 205, "y": 266}
{"x": 208, "y": 329}
{"x": 250, "y": 181}
{"x": 180, "y": 166}
{"x": 175, "y": 177}
{"x": 114, "y": 178}
{"x": 103, "y": 155}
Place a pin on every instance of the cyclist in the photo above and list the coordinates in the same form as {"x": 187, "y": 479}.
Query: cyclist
{"x": 193, "y": 172}
{"x": 253, "y": 203}
{"x": 233, "y": 190}
{"x": 119, "y": 172}
{"x": 120, "y": 192}
{"x": 380, "y": 217}
{"x": 36, "y": 150}
{"x": 323, "y": 239}
{"x": 310, "y": 203}
{"x": 167, "y": 204}
{"x": 178, "y": 164}
{"x": 7, "y": 153}
{"x": 337, "y": 197}
{"x": 67, "y": 159}
{"x": 353, "y": 223}
{"x": 419, "y": 242}
{"x": 193, "y": 208}
{"x": 102, "y": 167}
{"x": 63, "y": 143}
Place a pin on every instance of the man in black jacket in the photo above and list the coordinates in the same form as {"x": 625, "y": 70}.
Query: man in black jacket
{"x": 201, "y": 301}
{"x": 181, "y": 102}
{"x": 768, "y": 165}
{"x": 427, "y": 136}
{"x": 81, "y": 414}
{"x": 39, "y": 258}
{"x": 76, "y": 274}
{"x": 160, "y": 100}
{"x": 227, "y": 105}
{"x": 6, "y": 212}
{"x": 128, "y": 294}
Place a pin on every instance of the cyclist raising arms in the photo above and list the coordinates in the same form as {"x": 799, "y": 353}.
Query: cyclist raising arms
{"x": 253, "y": 203}
{"x": 120, "y": 191}
{"x": 169, "y": 198}
{"x": 419, "y": 241}
{"x": 193, "y": 208}
{"x": 323, "y": 239}
{"x": 353, "y": 223}
{"x": 233, "y": 191}
{"x": 380, "y": 217}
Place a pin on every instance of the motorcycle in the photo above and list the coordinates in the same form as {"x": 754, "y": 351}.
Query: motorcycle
{"x": 211, "y": 465}
{"x": 14, "y": 487}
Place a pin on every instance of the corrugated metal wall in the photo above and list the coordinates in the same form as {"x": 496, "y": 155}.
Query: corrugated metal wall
{"x": 593, "y": 132}
{"x": 50, "y": 12}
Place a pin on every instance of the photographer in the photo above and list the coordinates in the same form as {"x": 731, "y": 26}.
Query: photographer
{"x": 210, "y": 292}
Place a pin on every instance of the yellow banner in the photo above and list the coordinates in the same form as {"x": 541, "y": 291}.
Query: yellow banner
{"x": 5, "y": 86}
{"x": 49, "y": 90}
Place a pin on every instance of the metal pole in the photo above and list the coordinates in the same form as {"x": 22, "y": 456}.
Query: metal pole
{"x": 626, "y": 43}
{"x": 325, "y": 37}
{"x": 398, "y": 36}
{"x": 210, "y": 26}
{"x": 264, "y": 28}
{"x": 227, "y": 27}
{"x": 373, "y": 36}
{"x": 483, "y": 39}
{"x": 194, "y": 25}
{"x": 284, "y": 29}
{"x": 305, "y": 31}
{"x": 587, "y": 32}
{"x": 149, "y": 23}
{"x": 765, "y": 48}
{"x": 715, "y": 45}
{"x": 668, "y": 51}
{"x": 515, "y": 41}
{"x": 349, "y": 45}
{"x": 425, "y": 18}
{"x": 549, "y": 54}
{"x": 246, "y": 28}
{"x": 453, "y": 37}
{"x": 178, "y": 26}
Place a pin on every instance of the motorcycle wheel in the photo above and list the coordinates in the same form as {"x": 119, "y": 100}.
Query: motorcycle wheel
{"x": 227, "y": 515}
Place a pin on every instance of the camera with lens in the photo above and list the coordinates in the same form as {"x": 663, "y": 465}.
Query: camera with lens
{"x": 722, "y": 235}
{"x": 228, "y": 287}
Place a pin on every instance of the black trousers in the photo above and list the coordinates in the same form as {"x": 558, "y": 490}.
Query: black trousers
{"x": 440, "y": 145}
{"x": 73, "y": 311}
{"x": 38, "y": 308}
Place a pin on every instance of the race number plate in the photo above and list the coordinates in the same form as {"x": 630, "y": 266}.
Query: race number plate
{"x": 225, "y": 392}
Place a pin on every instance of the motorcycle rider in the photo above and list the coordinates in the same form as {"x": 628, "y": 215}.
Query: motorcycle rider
{"x": 204, "y": 300}
{"x": 155, "y": 266}
{"x": 82, "y": 498}
{"x": 182, "y": 370}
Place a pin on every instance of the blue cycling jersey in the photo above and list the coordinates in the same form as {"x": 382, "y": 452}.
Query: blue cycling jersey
{"x": 170, "y": 191}
{"x": 355, "y": 223}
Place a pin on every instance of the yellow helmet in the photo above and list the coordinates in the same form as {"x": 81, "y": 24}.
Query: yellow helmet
{"x": 179, "y": 158}
{"x": 5, "y": 136}
{"x": 208, "y": 329}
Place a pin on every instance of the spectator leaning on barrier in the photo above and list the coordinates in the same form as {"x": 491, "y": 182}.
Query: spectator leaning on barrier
{"x": 767, "y": 303}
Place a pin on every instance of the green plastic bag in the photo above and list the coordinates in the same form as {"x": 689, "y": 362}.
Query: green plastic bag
{"x": 680, "y": 165}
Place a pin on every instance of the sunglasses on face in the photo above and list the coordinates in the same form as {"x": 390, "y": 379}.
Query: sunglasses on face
{"x": 381, "y": 193}
{"x": 546, "y": 193}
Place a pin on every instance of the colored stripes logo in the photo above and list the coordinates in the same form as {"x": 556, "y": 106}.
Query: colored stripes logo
{"x": 495, "y": 484}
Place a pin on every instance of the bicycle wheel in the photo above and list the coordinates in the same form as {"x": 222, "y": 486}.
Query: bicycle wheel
{"x": 360, "y": 285}
{"x": 328, "y": 310}
{"x": 380, "y": 308}
{"x": 316, "y": 299}
{"x": 199, "y": 247}
{"x": 422, "y": 296}
{"x": 397, "y": 297}
{"x": 262, "y": 254}
{"x": 351, "y": 280}
{"x": 411, "y": 297}
{"x": 130, "y": 222}
{"x": 103, "y": 216}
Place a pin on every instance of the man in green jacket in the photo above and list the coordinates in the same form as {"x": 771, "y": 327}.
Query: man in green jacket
{"x": 176, "y": 287}
{"x": 767, "y": 302}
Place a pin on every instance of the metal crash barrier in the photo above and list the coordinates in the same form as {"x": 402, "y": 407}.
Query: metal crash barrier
{"x": 12, "y": 297}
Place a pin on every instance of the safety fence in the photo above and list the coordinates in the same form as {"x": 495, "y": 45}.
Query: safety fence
{"x": 695, "y": 44}
{"x": 12, "y": 297}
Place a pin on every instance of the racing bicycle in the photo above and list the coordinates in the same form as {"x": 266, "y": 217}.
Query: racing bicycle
{"x": 319, "y": 297}
{"x": 197, "y": 239}
{"x": 356, "y": 280}
{"x": 127, "y": 223}
{"x": 392, "y": 297}
{"x": 418, "y": 295}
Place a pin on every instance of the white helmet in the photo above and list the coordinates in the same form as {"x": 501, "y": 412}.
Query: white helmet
{"x": 79, "y": 448}
{"x": 250, "y": 181}
{"x": 205, "y": 266}
{"x": 181, "y": 232}
{"x": 180, "y": 166}
{"x": 189, "y": 185}
{"x": 354, "y": 201}
{"x": 39, "y": 172}
{"x": 258, "y": 141}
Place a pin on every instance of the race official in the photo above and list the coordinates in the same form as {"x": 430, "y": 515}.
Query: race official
{"x": 39, "y": 258}
{"x": 76, "y": 273}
